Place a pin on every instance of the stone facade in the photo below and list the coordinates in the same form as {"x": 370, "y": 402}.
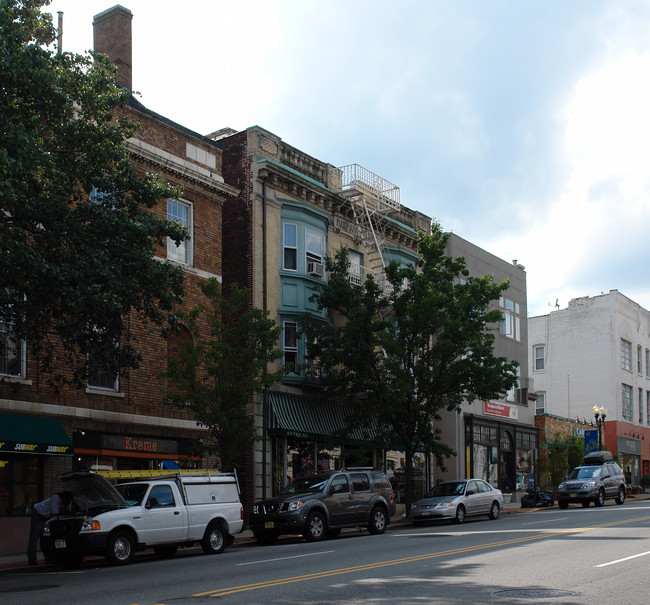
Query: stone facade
{"x": 597, "y": 352}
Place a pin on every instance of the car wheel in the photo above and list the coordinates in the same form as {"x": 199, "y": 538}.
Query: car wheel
{"x": 315, "y": 528}
{"x": 494, "y": 510}
{"x": 563, "y": 503}
{"x": 214, "y": 539}
{"x": 621, "y": 496}
{"x": 600, "y": 498}
{"x": 334, "y": 533}
{"x": 166, "y": 551}
{"x": 266, "y": 539}
{"x": 460, "y": 514}
{"x": 377, "y": 523}
{"x": 120, "y": 548}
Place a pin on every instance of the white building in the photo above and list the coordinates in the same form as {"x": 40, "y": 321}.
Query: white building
{"x": 597, "y": 352}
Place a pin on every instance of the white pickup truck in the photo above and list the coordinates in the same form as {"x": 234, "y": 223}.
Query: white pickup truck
{"x": 163, "y": 514}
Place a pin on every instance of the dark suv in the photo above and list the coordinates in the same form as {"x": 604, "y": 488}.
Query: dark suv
{"x": 597, "y": 479}
{"x": 319, "y": 505}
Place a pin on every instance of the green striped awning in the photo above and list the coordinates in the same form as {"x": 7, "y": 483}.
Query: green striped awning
{"x": 311, "y": 418}
{"x": 33, "y": 435}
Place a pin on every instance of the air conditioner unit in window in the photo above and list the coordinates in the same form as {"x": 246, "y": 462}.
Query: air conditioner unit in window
{"x": 316, "y": 269}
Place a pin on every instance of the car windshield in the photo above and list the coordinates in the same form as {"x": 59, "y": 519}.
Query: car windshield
{"x": 311, "y": 483}
{"x": 133, "y": 493}
{"x": 585, "y": 472}
{"x": 451, "y": 488}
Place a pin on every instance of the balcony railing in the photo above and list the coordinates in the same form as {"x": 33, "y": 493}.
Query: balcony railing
{"x": 356, "y": 179}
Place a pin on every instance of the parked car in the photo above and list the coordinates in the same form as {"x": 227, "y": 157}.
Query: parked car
{"x": 596, "y": 480}
{"x": 319, "y": 505}
{"x": 457, "y": 500}
{"x": 161, "y": 513}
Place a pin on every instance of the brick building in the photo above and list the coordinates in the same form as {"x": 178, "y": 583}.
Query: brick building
{"x": 117, "y": 423}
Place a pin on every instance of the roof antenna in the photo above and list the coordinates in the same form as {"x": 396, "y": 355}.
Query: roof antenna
{"x": 59, "y": 35}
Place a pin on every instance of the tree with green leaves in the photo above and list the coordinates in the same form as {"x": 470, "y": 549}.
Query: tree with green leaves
{"x": 215, "y": 377}
{"x": 77, "y": 227}
{"x": 406, "y": 353}
{"x": 562, "y": 454}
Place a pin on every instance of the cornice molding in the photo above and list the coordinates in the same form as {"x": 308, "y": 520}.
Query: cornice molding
{"x": 178, "y": 167}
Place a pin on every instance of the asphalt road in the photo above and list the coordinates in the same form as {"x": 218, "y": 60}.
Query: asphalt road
{"x": 593, "y": 555}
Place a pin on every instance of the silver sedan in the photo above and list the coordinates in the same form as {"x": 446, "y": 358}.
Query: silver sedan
{"x": 457, "y": 500}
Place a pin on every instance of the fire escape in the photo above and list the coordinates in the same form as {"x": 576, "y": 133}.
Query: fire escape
{"x": 372, "y": 199}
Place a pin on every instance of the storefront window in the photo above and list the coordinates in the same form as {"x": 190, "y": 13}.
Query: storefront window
{"x": 486, "y": 463}
{"x": 525, "y": 447}
{"x": 19, "y": 479}
{"x": 631, "y": 468}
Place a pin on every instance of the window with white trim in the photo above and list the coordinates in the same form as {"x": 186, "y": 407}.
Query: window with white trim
{"x": 314, "y": 252}
{"x": 290, "y": 247}
{"x": 647, "y": 407}
{"x": 639, "y": 359}
{"x": 511, "y": 323}
{"x": 540, "y": 403}
{"x": 290, "y": 346}
{"x": 180, "y": 212}
{"x": 99, "y": 377}
{"x": 13, "y": 353}
{"x": 647, "y": 362}
{"x": 539, "y": 356}
{"x": 626, "y": 354}
{"x": 627, "y": 402}
{"x": 355, "y": 272}
{"x": 99, "y": 374}
{"x": 514, "y": 394}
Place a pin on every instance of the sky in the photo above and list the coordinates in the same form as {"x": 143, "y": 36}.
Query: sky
{"x": 522, "y": 126}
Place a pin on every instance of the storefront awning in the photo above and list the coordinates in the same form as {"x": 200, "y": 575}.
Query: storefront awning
{"x": 33, "y": 435}
{"x": 311, "y": 418}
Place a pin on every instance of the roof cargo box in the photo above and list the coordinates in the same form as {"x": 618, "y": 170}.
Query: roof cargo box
{"x": 597, "y": 457}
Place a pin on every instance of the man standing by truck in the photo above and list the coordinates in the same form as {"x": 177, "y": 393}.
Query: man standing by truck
{"x": 41, "y": 512}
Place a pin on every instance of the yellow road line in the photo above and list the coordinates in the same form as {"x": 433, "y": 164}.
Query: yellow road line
{"x": 455, "y": 551}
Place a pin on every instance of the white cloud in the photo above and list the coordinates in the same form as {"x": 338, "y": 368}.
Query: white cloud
{"x": 605, "y": 205}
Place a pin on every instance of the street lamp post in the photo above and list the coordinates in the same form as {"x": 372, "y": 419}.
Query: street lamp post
{"x": 600, "y": 413}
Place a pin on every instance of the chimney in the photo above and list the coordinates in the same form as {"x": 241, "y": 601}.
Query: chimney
{"x": 112, "y": 37}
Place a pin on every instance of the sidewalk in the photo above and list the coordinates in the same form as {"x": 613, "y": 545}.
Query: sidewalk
{"x": 19, "y": 561}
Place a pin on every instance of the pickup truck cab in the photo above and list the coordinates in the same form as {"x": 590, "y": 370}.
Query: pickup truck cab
{"x": 163, "y": 514}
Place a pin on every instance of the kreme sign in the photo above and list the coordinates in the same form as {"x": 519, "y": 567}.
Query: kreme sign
{"x": 500, "y": 409}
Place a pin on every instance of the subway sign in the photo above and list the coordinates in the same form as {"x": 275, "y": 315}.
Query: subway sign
{"x": 33, "y": 448}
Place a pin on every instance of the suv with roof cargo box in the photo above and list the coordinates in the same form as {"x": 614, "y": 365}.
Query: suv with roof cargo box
{"x": 598, "y": 478}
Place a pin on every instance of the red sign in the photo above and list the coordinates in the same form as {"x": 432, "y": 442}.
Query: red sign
{"x": 500, "y": 409}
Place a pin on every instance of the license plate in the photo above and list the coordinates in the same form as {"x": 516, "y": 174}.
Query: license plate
{"x": 573, "y": 495}
{"x": 425, "y": 513}
{"x": 59, "y": 543}
{"x": 269, "y": 524}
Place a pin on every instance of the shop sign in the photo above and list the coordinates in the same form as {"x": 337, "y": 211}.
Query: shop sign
{"x": 629, "y": 446}
{"x": 500, "y": 409}
{"x": 33, "y": 448}
{"x": 127, "y": 443}
{"x": 579, "y": 431}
